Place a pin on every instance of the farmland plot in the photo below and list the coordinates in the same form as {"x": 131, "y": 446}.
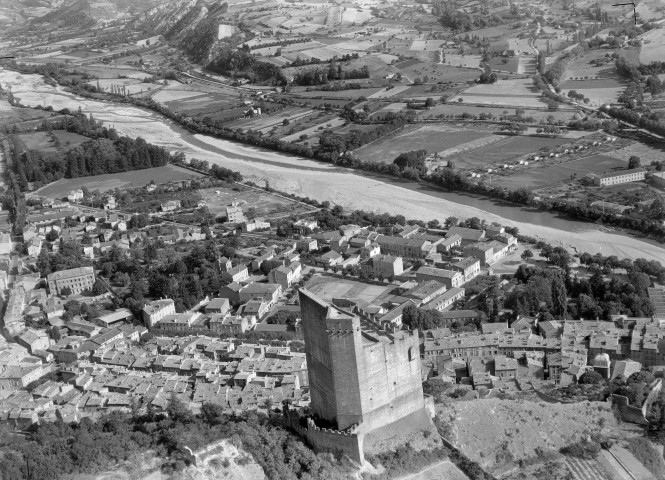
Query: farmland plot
{"x": 387, "y": 93}
{"x": 265, "y": 123}
{"x": 264, "y": 204}
{"x": 467, "y": 61}
{"x": 538, "y": 176}
{"x": 507, "y": 149}
{"x": 433, "y": 138}
{"x": 332, "y": 123}
{"x": 134, "y": 178}
{"x": 652, "y": 49}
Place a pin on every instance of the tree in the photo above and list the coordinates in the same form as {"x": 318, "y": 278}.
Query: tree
{"x": 98, "y": 287}
{"x": 285, "y": 122}
{"x": 590, "y": 377}
{"x": 451, "y": 222}
{"x": 65, "y": 292}
{"x": 55, "y": 333}
{"x": 178, "y": 411}
{"x": 430, "y": 102}
{"x": 526, "y": 255}
{"x": 634, "y": 162}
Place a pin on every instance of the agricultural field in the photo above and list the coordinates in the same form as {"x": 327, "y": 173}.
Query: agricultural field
{"x": 265, "y": 205}
{"x": 538, "y": 176}
{"x": 388, "y": 92}
{"x": 648, "y": 10}
{"x": 130, "y": 85}
{"x": 646, "y": 153}
{"x": 505, "y": 64}
{"x": 497, "y": 111}
{"x": 598, "y": 91}
{"x": 265, "y": 123}
{"x": 39, "y": 142}
{"x": 350, "y": 94}
{"x": 433, "y": 138}
{"x": 69, "y": 139}
{"x": 581, "y": 66}
{"x": 457, "y": 60}
{"x": 513, "y": 93}
{"x": 436, "y": 72}
{"x": 328, "y": 287}
{"x": 43, "y": 142}
{"x": 506, "y": 149}
{"x": 333, "y": 122}
{"x": 652, "y": 49}
{"x": 111, "y": 181}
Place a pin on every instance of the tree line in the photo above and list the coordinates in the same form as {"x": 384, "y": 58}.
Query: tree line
{"x": 323, "y": 76}
{"x": 105, "y": 152}
{"x": 56, "y": 449}
{"x": 240, "y": 63}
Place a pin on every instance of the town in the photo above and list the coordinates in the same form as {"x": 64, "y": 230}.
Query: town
{"x": 331, "y": 240}
{"x": 84, "y": 341}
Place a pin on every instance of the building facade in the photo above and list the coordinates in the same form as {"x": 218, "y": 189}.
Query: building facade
{"x": 623, "y": 176}
{"x": 156, "y": 310}
{"x": 76, "y": 279}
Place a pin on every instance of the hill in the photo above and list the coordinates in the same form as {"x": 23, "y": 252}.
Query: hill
{"x": 189, "y": 24}
{"x": 78, "y": 14}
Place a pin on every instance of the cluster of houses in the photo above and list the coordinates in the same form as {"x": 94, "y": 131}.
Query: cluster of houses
{"x": 111, "y": 371}
{"x": 545, "y": 353}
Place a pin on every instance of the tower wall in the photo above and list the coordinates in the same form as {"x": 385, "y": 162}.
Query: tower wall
{"x": 345, "y": 343}
{"x": 391, "y": 380}
{"x": 319, "y": 361}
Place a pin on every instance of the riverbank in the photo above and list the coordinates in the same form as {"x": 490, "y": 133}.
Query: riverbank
{"x": 338, "y": 185}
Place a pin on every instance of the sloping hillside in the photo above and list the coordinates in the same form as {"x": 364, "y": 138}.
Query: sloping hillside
{"x": 77, "y": 14}
{"x": 190, "y": 24}
{"x": 522, "y": 427}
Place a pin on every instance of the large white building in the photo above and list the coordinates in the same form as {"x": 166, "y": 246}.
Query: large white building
{"x": 623, "y": 176}
{"x": 156, "y": 310}
{"x": 77, "y": 279}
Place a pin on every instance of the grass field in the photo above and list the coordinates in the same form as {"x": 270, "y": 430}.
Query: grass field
{"x": 69, "y": 139}
{"x": 329, "y": 287}
{"x": 37, "y": 141}
{"x": 433, "y": 138}
{"x": 534, "y": 178}
{"x": 599, "y": 91}
{"x": 313, "y": 130}
{"x": 456, "y": 109}
{"x": 9, "y": 114}
{"x": 652, "y": 50}
{"x": 265, "y": 205}
{"x": 265, "y": 123}
{"x": 646, "y": 153}
{"x": 436, "y": 72}
{"x": 134, "y": 178}
{"x": 506, "y": 149}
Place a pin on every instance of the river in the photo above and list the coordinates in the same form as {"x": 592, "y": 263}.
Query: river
{"x": 322, "y": 181}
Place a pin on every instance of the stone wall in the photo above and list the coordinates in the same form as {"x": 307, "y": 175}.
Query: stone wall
{"x": 327, "y": 440}
{"x": 628, "y": 412}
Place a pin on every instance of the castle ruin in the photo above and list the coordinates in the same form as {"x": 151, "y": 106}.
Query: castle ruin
{"x": 365, "y": 382}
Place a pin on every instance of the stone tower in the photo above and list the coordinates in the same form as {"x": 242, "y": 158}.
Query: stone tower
{"x": 361, "y": 375}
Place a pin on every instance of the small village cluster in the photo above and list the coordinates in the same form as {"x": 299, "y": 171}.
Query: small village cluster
{"x": 120, "y": 360}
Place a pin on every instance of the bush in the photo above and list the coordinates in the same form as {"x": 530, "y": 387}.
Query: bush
{"x": 582, "y": 449}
